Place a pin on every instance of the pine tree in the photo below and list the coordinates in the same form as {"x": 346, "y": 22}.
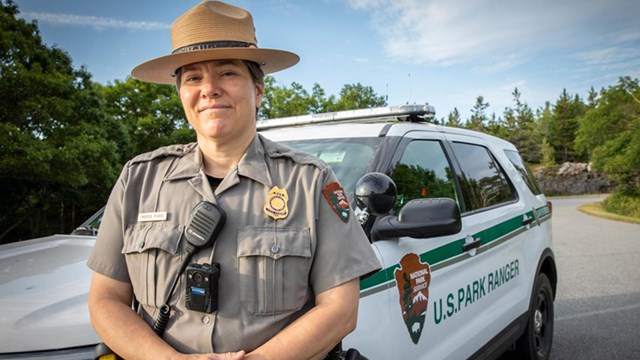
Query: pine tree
{"x": 478, "y": 118}
{"x": 548, "y": 160}
{"x": 563, "y": 126}
{"x": 453, "y": 119}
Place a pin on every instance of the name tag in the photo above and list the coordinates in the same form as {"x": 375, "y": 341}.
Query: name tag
{"x": 152, "y": 216}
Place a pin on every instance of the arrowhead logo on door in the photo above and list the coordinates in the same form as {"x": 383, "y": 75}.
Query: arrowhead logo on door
{"x": 413, "y": 279}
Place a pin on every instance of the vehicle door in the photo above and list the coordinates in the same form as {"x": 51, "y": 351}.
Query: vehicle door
{"x": 441, "y": 302}
{"x": 496, "y": 220}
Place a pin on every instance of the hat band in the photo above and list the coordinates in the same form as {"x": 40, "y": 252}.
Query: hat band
{"x": 213, "y": 45}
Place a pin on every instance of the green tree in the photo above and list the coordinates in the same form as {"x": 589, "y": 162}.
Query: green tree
{"x": 478, "y": 118}
{"x": 56, "y": 162}
{"x": 563, "y": 126}
{"x": 592, "y": 98}
{"x": 521, "y": 129}
{"x": 356, "y": 96}
{"x": 548, "y": 159}
{"x": 544, "y": 117}
{"x": 496, "y": 127}
{"x": 152, "y": 115}
{"x": 282, "y": 101}
{"x": 610, "y": 134}
{"x": 453, "y": 119}
{"x": 319, "y": 101}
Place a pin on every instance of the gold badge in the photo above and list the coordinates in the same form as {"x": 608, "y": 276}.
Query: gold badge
{"x": 276, "y": 205}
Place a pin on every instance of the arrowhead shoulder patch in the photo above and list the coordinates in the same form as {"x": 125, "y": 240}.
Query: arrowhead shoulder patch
{"x": 337, "y": 199}
{"x": 413, "y": 278}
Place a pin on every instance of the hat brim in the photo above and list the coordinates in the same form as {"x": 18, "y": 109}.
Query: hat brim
{"x": 162, "y": 70}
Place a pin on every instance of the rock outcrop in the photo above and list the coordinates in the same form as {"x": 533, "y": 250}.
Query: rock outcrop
{"x": 573, "y": 179}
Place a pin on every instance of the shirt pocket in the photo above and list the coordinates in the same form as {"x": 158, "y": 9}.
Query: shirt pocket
{"x": 151, "y": 253}
{"x": 273, "y": 266}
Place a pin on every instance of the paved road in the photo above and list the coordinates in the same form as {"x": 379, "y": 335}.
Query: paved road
{"x": 598, "y": 297}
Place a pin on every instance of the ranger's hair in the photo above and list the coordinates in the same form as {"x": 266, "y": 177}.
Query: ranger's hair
{"x": 257, "y": 76}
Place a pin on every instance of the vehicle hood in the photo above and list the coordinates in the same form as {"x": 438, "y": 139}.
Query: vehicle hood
{"x": 44, "y": 284}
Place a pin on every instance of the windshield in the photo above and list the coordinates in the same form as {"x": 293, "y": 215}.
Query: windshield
{"x": 91, "y": 226}
{"x": 348, "y": 157}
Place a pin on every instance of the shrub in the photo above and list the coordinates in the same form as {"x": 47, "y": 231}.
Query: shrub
{"x": 622, "y": 205}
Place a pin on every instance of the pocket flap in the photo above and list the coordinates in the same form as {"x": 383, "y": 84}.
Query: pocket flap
{"x": 144, "y": 236}
{"x": 274, "y": 242}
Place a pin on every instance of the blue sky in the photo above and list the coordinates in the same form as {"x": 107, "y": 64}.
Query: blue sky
{"x": 444, "y": 52}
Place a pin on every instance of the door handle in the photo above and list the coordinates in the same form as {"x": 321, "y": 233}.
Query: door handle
{"x": 527, "y": 221}
{"x": 476, "y": 243}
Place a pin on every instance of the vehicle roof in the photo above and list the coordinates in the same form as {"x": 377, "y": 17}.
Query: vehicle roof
{"x": 325, "y": 131}
{"x": 373, "y": 128}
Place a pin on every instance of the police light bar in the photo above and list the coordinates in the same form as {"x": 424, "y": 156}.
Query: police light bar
{"x": 403, "y": 112}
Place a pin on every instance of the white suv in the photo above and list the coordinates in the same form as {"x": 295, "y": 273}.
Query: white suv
{"x": 454, "y": 216}
{"x": 459, "y": 224}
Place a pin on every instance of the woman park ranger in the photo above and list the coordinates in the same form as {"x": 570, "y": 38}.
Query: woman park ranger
{"x": 289, "y": 255}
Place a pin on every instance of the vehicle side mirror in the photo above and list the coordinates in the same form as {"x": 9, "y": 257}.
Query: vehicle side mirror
{"x": 376, "y": 193}
{"x": 420, "y": 218}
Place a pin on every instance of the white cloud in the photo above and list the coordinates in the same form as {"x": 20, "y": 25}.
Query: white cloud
{"x": 460, "y": 31}
{"x": 609, "y": 63}
{"x": 631, "y": 35}
{"x": 499, "y": 64}
{"x": 618, "y": 55}
{"x": 95, "y": 22}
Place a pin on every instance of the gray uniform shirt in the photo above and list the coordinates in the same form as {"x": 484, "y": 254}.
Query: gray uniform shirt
{"x": 271, "y": 269}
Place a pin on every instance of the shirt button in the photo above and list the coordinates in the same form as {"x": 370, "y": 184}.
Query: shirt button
{"x": 206, "y": 319}
{"x": 275, "y": 249}
{"x": 141, "y": 244}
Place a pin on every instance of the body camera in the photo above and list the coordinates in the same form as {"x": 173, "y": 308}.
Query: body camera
{"x": 202, "y": 287}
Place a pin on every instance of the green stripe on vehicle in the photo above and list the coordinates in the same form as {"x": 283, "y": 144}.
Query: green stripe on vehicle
{"x": 437, "y": 257}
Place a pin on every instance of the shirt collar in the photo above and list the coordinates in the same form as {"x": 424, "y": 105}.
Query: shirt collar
{"x": 251, "y": 165}
{"x": 188, "y": 166}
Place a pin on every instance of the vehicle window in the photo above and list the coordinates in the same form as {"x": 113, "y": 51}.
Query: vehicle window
{"x": 95, "y": 223}
{"x": 484, "y": 182}
{"x": 423, "y": 172}
{"x": 348, "y": 157}
{"x": 91, "y": 226}
{"x": 524, "y": 171}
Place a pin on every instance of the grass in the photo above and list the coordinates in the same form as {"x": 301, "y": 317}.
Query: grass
{"x": 596, "y": 209}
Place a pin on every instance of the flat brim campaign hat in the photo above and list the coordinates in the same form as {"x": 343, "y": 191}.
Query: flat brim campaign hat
{"x": 212, "y": 30}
